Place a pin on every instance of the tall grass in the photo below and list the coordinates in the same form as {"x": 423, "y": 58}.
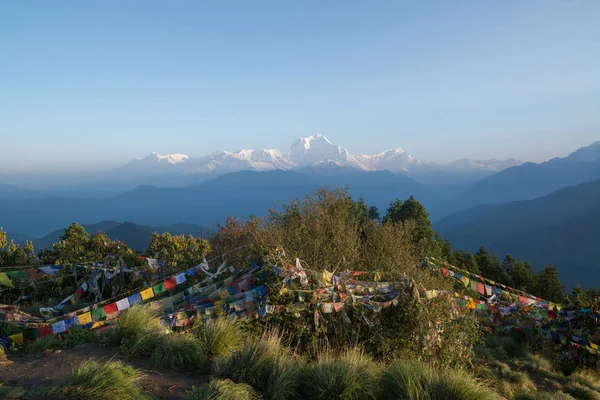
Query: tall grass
{"x": 177, "y": 351}
{"x": 581, "y": 392}
{"x": 218, "y": 389}
{"x": 511, "y": 383}
{"x": 414, "y": 380}
{"x": 7, "y": 392}
{"x": 264, "y": 364}
{"x": 95, "y": 381}
{"x": 544, "y": 396}
{"x": 506, "y": 346}
{"x": 586, "y": 377}
{"x": 137, "y": 331}
{"x": 351, "y": 375}
{"x": 219, "y": 337}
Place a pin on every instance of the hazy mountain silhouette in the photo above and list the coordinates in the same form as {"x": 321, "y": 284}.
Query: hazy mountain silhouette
{"x": 561, "y": 228}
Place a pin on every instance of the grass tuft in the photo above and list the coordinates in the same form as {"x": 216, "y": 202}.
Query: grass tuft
{"x": 177, "y": 351}
{"x": 7, "y": 392}
{"x": 352, "y": 375}
{"x": 265, "y": 365}
{"x": 413, "y": 380}
{"x": 511, "y": 383}
{"x": 226, "y": 389}
{"x": 581, "y": 392}
{"x": 586, "y": 377}
{"x": 95, "y": 381}
{"x": 219, "y": 337}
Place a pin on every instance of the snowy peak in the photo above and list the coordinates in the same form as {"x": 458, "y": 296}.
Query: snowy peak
{"x": 169, "y": 158}
{"x": 491, "y": 165}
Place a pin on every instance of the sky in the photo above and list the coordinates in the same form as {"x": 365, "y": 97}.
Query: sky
{"x": 93, "y": 84}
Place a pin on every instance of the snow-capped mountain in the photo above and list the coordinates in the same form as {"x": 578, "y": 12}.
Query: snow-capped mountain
{"x": 589, "y": 153}
{"x": 314, "y": 152}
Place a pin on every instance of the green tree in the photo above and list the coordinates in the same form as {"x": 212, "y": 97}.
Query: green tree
{"x": 465, "y": 260}
{"x": 374, "y": 213}
{"x": 509, "y": 263}
{"x": 490, "y": 266}
{"x": 579, "y": 298}
{"x": 549, "y": 286}
{"x": 178, "y": 250}
{"x": 412, "y": 210}
{"x": 73, "y": 246}
{"x": 523, "y": 277}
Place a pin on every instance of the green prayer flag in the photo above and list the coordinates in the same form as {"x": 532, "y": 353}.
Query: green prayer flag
{"x": 159, "y": 288}
{"x": 31, "y": 333}
{"x": 98, "y": 314}
{"x": 17, "y": 274}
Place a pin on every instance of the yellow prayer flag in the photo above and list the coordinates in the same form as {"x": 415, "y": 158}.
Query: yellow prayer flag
{"x": 465, "y": 280}
{"x": 147, "y": 294}
{"x": 5, "y": 280}
{"x": 18, "y": 338}
{"x": 377, "y": 277}
{"x": 98, "y": 324}
{"x": 84, "y": 318}
{"x": 327, "y": 276}
{"x": 456, "y": 294}
{"x": 224, "y": 294}
{"x": 594, "y": 345}
{"x": 492, "y": 282}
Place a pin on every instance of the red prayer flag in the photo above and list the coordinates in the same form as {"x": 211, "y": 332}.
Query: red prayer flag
{"x": 480, "y": 288}
{"x": 79, "y": 292}
{"x": 170, "y": 283}
{"x": 110, "y": 308}
{"x": 44, "y": 330}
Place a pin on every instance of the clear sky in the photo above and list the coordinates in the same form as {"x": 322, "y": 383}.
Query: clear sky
{"x": 96, "y": 83}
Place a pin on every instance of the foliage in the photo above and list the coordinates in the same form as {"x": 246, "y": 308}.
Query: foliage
{"x": 415, "y": 380}
{"x": 11, "y": 392}
{"x": 511, "y": 383}
{"x": 136, "y": 322}
{"x": 177, "y": 351}
{"x": 549, "y": 286}
{"x": 217, "y": 389}
{"x": 77, "y": 336}
{"x": 219, "y": 337}
{"x": 50, "y": 342}
{"x": 178, "y": 250}
{"x": 93, "y": 380}
{"x": 581, "y": 392}
{"x": 264, "y": 364}
{"x": 412, "y": 210}
{"x": 351, "y": 375}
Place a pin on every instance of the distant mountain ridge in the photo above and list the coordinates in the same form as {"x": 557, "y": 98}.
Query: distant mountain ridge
{"x": 561, "y": 228}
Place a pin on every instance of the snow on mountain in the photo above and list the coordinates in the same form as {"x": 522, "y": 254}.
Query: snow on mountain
{"x": 315, "y": 152}
{"x": 493, "y": 165}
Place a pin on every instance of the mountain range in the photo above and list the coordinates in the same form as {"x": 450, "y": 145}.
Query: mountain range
{"x": 561, "y": 228}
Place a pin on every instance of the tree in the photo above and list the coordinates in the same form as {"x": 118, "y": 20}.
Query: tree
{"x": 73, "y": 246}
{"x": 176, "y": 250}
{"x": 549, "y": 286}
{"x": 523, "y": 277}
{"x": 412, "y": 210}
{"x": 579, "y": 298}
{"x": 466, "y": 261}
{"x": 3, "y": 241}
{"x": 508, "y": 264}
{"x": 490, "y": 266}
{"x": 374, "y": 213}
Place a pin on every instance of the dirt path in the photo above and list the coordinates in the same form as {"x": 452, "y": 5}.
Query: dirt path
{"x": 41, "y": 369}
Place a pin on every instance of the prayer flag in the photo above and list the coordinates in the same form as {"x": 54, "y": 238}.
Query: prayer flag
{"x": 122, "y": 304}
{"x": 98, "y": 314}
{"x": 5, "y": 280}
{"x": 110, "y": 308}
{"x": 18, "y": 338}
{"x": 480, "y": 288}
{"x": 170, "y": 283}
{"x": 134, "y": 299}
{"x": 84, "y": 319}
{"x": 44, "y": 331}
{"x": 147, "y": 294}
{"x": 158, "y": 289}
{"x": 58, "y": 327}
{"x": 179, "y": 279}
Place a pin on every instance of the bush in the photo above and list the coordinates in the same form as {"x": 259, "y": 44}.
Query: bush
{"x": 219, "y": 337}
{"x": 92, "y": 380}
{"x": 416, "y": 380}
{"x": 177, "y": 351}
{"x": 77, "y": 336}
{"x": 352, "y": 375}
{"x": 50, "y": 342}
{"x": 218, "y": 389}
{"x": 265, "y": 365}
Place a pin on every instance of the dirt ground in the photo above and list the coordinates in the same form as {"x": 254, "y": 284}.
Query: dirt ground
{"x": 41, "y": 369}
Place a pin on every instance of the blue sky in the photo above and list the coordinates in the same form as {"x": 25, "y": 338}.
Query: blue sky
{"x": 92, "y": 84}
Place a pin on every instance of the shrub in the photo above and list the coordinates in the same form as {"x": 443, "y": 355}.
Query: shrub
{"x": 177, "y": 351}
{"x": 416, "y": 380}
{"x": 265, "y": 365}
{"x": 76, "y": 336}
{"x": 93, "y": 380}
{"x": 219, "y": 337}
{"x": 218, "y": 389}
{"x": 352, "y": 375}
{"x": 50, "y": 342}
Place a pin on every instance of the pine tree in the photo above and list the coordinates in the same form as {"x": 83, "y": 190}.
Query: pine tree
{"x": 549, "y": 286}
{"x": 523, "y": 277}
{"x": 466, "y": 260}
{"x": 394, "y": 212}
{"x": 508, "y": 264}
{"x": 579, "y": 298}
{"x": 490, "y": 266}
{"x": 412, "y": 210}
{"x": 374, "y": 213}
